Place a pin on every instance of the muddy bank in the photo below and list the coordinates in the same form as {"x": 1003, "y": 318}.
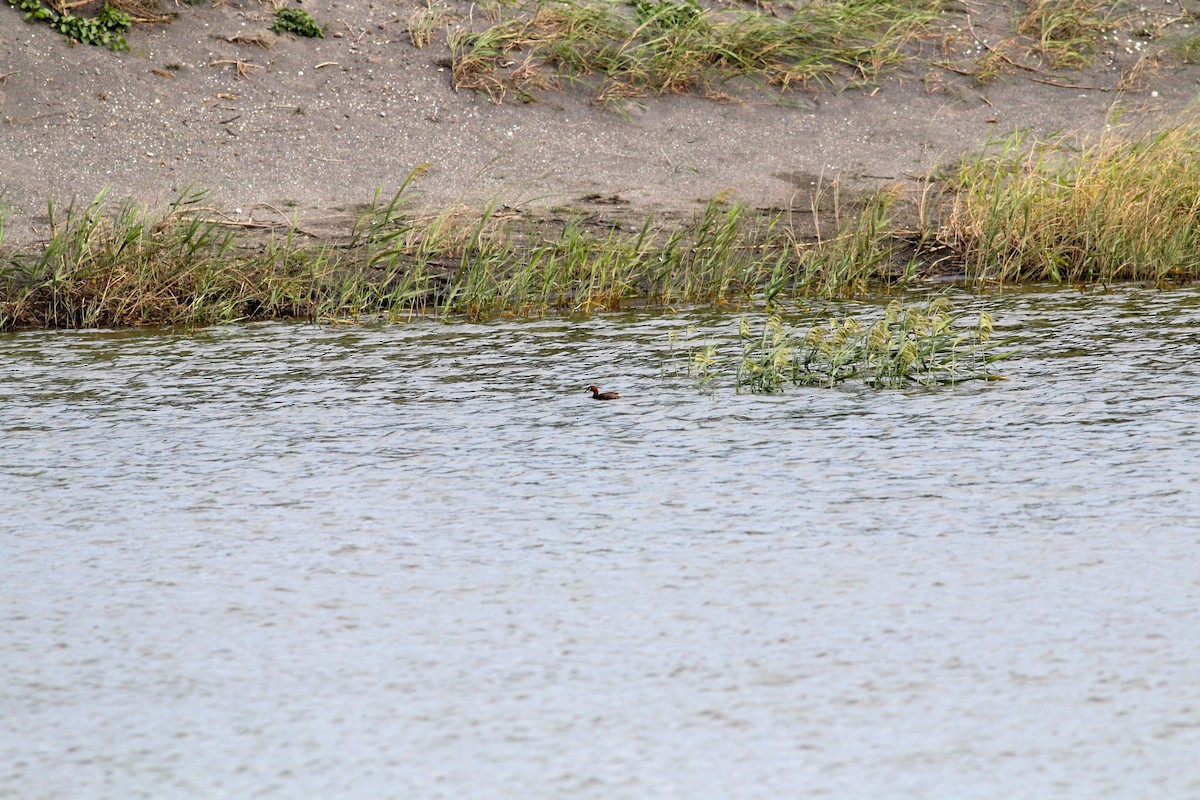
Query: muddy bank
{"x": 313, "y": 128}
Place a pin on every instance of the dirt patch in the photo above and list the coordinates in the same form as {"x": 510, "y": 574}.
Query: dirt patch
{"x": 278, "y": 127}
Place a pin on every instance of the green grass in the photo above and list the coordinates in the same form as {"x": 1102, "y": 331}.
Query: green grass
{"x": 679, "y": 46}
{"x": 620, "y": 50}
{"x": 1059, "y": 210}
{"x": 1117, "y": 208}
{"x": 1187, "y": 50}
{"x": 127, "y": 265}
{"x": 917, "y": 344}
{"x": 1065, "y": 32}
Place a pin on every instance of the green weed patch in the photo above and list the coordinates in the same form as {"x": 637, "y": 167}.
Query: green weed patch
{"x": 297, "y": 21}
{"x": 107, "y": 28}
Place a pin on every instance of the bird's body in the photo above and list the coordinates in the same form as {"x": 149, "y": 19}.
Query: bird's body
{"x": 599, "y": 395}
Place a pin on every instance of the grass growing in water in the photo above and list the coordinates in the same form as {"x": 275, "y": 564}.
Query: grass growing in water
{"x": 1115, "y": 209}
{"x": 1118, "y": 209}
{"x": 679, "y": 46}
{"x": 922, "y": 345}
{"x": 128, "y": 266}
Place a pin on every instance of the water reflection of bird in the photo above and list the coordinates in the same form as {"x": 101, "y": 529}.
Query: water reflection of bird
{"x": 599, "y": 395}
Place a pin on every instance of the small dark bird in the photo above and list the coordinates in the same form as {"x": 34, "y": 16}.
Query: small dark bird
{"x": 599, "y": 395}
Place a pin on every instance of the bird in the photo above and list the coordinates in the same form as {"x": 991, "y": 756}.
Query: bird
{"x": 599, "y": 395}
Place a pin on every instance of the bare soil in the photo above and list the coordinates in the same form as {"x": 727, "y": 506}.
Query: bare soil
{"x": 312, "y": 128}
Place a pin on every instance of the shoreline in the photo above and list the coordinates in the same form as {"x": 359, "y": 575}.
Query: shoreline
{"x": 1027, "y": 211}
{"x": 355, "y": 172}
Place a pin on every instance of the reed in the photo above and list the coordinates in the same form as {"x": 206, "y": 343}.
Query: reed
{"x": 862, "y": 251}
{"x": 918, "y": 344}
{"x": 1117, "y": 208}
{"x": 490, "y": 265}
{"x": 126, "y": 265}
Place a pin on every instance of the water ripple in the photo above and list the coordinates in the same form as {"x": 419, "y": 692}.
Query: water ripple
{"x": 418, "y": 561}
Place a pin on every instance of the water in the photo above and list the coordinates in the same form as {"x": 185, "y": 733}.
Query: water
{"x": 417, "y": 562}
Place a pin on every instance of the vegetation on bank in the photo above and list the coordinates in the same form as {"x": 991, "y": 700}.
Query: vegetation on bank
{"x": 631, "y": 49}
{"x": 130, "y": 266}
{"x": 628, "y": 48}
{"x": 1110, "y": 210}
{"x": 1025, "y": 211}
{"x": 679, "y": 45}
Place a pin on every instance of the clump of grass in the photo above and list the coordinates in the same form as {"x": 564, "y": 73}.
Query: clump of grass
{"x": 297, "y": 21}
{"x": 1045, "y": 35}
{"x": 704, "y": 362}
{"x": 922, "y": 345}
{"x": 1187, "y": 50}
{"x": 424, "y": 21}
{"x": 1066, "y": 31}
{"x": 1052, "y": 210}
{"x": 679, "y": 46}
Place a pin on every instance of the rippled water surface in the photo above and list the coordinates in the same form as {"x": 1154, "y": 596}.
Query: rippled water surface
{"x": 416, "y": 561}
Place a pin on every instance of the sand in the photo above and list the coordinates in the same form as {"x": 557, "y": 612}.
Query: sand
{"x": 311, "y": 129}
